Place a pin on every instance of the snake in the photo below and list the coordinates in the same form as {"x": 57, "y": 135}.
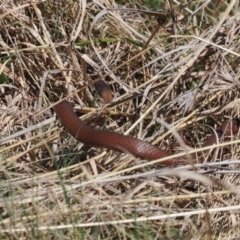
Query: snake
{"x": 121, "y": 143}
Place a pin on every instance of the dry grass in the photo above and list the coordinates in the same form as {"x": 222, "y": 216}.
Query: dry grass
{"x": 184, "y": 72}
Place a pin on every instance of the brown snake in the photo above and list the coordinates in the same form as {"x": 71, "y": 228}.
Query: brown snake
{"x": 113, "y": 141}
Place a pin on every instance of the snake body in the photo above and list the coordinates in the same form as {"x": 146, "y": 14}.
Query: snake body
{"x": 113, "y": 141}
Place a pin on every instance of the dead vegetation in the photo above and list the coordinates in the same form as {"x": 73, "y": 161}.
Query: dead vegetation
{"x": 179, "y": 67}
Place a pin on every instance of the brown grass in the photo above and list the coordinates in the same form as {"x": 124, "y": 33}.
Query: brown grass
{"x": 182, "y": 70}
